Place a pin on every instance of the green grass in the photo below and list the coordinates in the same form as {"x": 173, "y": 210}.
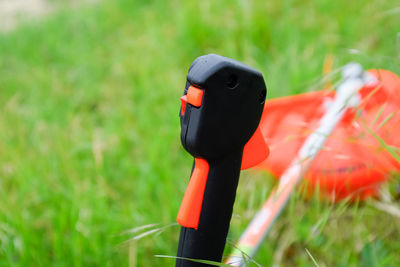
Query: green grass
{"x": 89, "y": 130}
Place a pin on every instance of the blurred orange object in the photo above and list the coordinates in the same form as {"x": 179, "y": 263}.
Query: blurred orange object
{"x": 353, "y": 162}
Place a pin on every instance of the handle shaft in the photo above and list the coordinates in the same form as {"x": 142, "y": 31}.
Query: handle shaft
{"x": 208, "y": 241}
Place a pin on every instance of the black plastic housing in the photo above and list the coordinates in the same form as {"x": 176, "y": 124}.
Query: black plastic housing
{"x": 233, "y": 101}
{"x": 232, "y": 105}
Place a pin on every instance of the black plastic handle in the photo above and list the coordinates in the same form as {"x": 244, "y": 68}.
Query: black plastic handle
{"x": 221, "y": 108}
{"x": 208, "y": 241}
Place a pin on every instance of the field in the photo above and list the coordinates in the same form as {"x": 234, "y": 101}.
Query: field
{"x": 89, "y": 127}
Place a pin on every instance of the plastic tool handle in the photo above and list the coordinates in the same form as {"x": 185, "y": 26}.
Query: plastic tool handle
{"x": 208, "y": 241}
{"x": 220, "y": 111}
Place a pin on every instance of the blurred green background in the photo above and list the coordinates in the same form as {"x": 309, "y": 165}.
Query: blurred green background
{"x": 89, "y": 129}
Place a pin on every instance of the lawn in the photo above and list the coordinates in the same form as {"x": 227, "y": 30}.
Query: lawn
{"x": 89, "y": 127}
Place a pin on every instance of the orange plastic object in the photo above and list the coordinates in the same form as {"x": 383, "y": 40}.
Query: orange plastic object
{"x": 194, "y": 96}
{"x": 352, "y": 163}
{"x": 255, "y": 151}
{"x": 189, "y": 212}
{"x": 183, "y": 104}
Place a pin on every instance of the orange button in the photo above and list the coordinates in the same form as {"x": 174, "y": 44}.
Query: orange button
{"x": 194, "y": 96}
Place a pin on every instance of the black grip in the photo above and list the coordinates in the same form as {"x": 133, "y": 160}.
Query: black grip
{"x": 208, "y": 241}
{"x": 221, "y": 108}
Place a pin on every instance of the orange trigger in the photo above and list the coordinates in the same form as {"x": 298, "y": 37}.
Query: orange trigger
{"x": 189, "y": 212}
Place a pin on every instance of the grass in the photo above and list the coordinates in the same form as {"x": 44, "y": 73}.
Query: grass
{"x": 90, "y": 134}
